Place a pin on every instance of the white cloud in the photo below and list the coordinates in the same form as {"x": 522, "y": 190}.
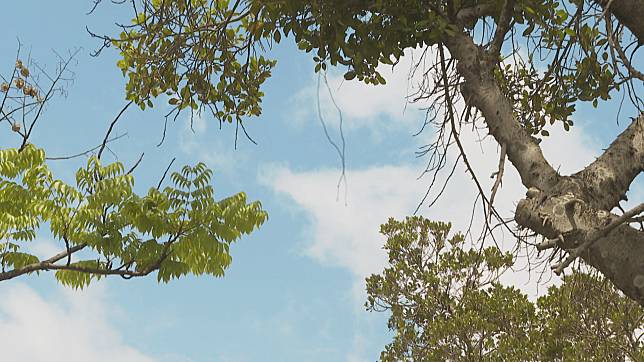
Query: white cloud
{"x": 347, "y": 235}
{"x": 43, "y": 248}
{"x": 73, "y": 328}
{"x": 364, "y": 105}
{"x": 357, "y": 353}
{"x": 344, "y": 235}
{"x": 570, "y": 151}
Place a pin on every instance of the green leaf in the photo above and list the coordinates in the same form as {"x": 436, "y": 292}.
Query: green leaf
{"x": 349, "y": 75}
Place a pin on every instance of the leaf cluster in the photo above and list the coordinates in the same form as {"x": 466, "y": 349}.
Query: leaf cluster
{"x": 571, "y": 43}
{"x": 178, "y": 230}
{"x": 447, "y": 303}
{"x": 359, "y": 35}
{"x": 197, "y": 53}
{"x": 194, "y": 50}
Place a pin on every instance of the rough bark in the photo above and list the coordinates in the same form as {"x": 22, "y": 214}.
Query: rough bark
{"x": 608, "y": 178}
{"x": 482, "y": 91}
{"x": 468, "y": 16}
{"x": 575, "y": 207}
{"x": 619, "y": 256}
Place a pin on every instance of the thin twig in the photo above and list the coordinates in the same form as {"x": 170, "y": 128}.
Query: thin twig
{"x": 165, "y": 173}
{"x": 52, "y": 88}
{"x": 343, "y": 176}
{"x": 499, "y": 178}
{"x": 450, "y": 114}
{"x": 84, "y": 153}
{"x": 136, "y": 164}
{"x": 339, "y": 150}
{"x": 107, "y": 135}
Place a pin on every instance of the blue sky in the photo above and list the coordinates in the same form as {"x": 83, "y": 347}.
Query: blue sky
{"x": 295, "y": 289}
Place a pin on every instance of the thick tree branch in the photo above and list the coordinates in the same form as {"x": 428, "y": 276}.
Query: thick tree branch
{"x": 43, "y": 265}
{"x": 608, "y": 178}
{"x": 614, "y": 248}
{"x": 480, "y": 90}
{"x": 628, "y": 12}
{"x": 50, "y": 264}
{"x": 594, "y": 236}
{"x": 467, "y": 17}
{"x": 564, "y": 209}
{"x": 101, "y": 271}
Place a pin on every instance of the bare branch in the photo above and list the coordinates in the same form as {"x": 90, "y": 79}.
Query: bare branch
{"x": 499, "y": 178}
{"x": 136, "y": 164}
{"x": 502, "y": 27}
{"x": 107, "y": 135}
{"x": 551, "y": 243}
{"x": 52, "y": 88}
{"x": 85, "y": 153}
{"x": 43, "y": 265}
{"x": 165, "y": 173}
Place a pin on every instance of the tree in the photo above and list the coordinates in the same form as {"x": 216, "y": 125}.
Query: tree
{"x": 103, "y": 226}
{"x": 447, "y": 304}
{"x": 207, "y": 55}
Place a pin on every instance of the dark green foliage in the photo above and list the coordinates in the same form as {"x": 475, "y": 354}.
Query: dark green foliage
{"x": 198, "y": 53}
{"x": 447, "y": 304}
{"x": 209, "y": 53}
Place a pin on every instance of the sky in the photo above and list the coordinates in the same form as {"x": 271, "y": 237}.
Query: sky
{"x": 295, "y": 289}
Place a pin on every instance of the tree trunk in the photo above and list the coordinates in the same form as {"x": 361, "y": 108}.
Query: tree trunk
{"x": 574, "y": 208}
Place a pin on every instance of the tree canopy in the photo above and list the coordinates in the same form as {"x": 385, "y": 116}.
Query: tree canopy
{"x": 517, "y": 67}
{"x": 103, "y": 226}
{"x": 448, "y": 304}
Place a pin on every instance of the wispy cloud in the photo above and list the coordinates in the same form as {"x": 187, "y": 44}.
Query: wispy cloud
{"x": 348, "y": 235}
{"x": 74, "y": 327}
{"x": 363, "y": 105}
{"x": 199, "y": 141}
